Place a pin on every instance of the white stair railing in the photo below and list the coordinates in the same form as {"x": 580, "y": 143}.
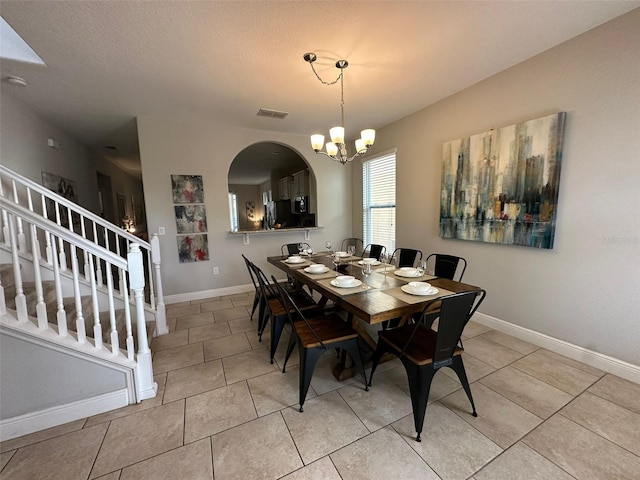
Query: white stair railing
{"x": 65, "y": 213}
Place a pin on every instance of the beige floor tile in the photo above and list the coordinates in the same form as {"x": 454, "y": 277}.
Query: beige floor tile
{"x": 174, "y": 339}
{"x": 490, "y": 352}
{"x": 182, "y": 309}
{"x": 229, "y": 314}
{"x": 326, "y": 425}
{"x": 281, "y": 350}
{"x": 217, "y": 410}
{"x": 43, "y": 460}
{"x": 216, "y": 306}
{"x": 247, "y": 365}
{"x": 242, "y": 325}
{"x": 382, "y": 455}
{"x": 382, "y": 405}
{"x": 322, "y": 469}
{"x": 450, "y": 446}
{"x": 160, "y": 379}
{"x": 171, "y": 324}
{"x": 555, "y": 373}
{"x": 473, "y": 329}
{"x": 192, "y": 462}
{"x": 226, "y": 346}
{"x": 615, "y": 423}
{"x": 41, "y": 435}
{"x": 246, "y": 301}
{"x": 619, "y": 391}
{"x": 510, "y": 342}
{"x": 111, "y": 476}
{"x": 476, "y": 369}
{"x": 573, "y": 363}
{"x": 195, "y": 320}
{"x": 521, "y": 463}
{"x": 441, "y": 385}
{"x": 536, "y": 396}
{"x": 277, "y": 390}
{"x": 5, "y": 457}
{"x": 207, "y": 332}
{"x": 177, "y": 357}
{"x": 323, "y": 380}
{"x": 499, "y": 419}
{"x": 261, "y": 449}
{"x": 193, "y": 380}
{"x": 140, "y": 436}
{"x": 204, "y": 300}
{"x": 582, "y": 453}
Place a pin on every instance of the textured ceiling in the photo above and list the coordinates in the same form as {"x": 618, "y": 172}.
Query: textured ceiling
{"x": 220, "y": 61}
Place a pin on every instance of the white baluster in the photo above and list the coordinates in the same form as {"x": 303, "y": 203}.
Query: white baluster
{"x": 49, "y": 248}
{"x": 161, "y": 314}
{"x": 5, "y": 220}
{"x": 21, "y": 300}
{"x": 61, "y": 314}
{"x": 22, "y": 240}
{"x": 80, "y": 327}
{"x": 62, "y": 258}
{"x": 88, "y": 271}
{"x": 99, "y": 264}
{"x": 41, "y": 307}
{"x": 97, "y": 328}
{"x": 35, "y": 243}
{"x": 115, "y": 342}
{"x": 127, "y": 316}
{"x": 147, "y": 388}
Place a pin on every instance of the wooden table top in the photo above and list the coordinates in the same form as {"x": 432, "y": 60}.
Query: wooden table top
{"x": 372, "y": 305}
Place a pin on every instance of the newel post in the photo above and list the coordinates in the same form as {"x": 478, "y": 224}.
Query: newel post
{"x": 161, "y": 315}
{"x": 146, "y": 387}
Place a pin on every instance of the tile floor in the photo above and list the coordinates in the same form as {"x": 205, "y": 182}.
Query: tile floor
{"x": 224, "y": 412}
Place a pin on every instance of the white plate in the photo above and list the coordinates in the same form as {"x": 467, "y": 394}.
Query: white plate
{"x": 288, "y": 260}
{"x": 324, "y": 270}
{"x": 404, "y": 273}
{"x": 356, "y": 283}
{"x": 411, "y": 291}
{"x": 343, "y": 254}
{"x": 373, "y": 264}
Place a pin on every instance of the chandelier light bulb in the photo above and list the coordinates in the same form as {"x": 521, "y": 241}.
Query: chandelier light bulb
{"x": 317, "y": 142}
{"x": 332, "y": 149}
{"x": 337, "y": 135}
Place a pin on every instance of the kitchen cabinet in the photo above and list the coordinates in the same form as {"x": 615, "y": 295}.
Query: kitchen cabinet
{"x": 300, "y": 183}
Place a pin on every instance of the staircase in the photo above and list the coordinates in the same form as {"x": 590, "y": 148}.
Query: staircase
{"x": 79, "y": 295}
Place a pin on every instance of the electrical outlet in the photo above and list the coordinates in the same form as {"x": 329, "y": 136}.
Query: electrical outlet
{"x": 216, "y": 271}
{"x": 160, "y": 230}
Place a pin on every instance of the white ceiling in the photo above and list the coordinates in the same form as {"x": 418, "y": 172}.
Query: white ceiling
{"x": 220, "y": 61}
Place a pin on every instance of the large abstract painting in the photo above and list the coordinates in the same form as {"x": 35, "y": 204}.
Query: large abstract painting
{"x": 191, "y": 218}
{"x": 502, "y": 186}
{"x": 193, "y": 248}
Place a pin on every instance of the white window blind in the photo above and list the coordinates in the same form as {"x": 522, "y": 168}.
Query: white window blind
{"x": 379, "y": 201}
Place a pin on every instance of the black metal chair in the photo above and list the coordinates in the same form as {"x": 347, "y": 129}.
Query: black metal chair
{"x": 257, "y": 295}
{"x": 423, "y": 352}
{"x": 374, "y": 250}
{"x": 273, "y": 309}
{"x": 352, "y": 242}
{"x": 406, "y": 257}
{"x": 313, "y": 336}
{"x": 292, "y": 248}
{"x": 446, "y": 266}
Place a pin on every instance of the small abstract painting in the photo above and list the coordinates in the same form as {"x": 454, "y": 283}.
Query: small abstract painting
{"x": 502, "y": 186}
{"x": 66, "y": 188}
{"x": 191, "y": 218}
{"x": 187, "y": 189}
{"x": 193, "y": 248}
{"x": 251, "y": 211}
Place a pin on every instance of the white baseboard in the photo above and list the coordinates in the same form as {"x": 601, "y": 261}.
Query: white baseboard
{"x": 54, "y": 416}
{"x": 597, "y": 360}
{"x": 216, "y": 292}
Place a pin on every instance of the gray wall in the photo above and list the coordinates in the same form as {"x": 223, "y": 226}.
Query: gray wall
{"x": 585, "y": 290}
{"x": 35, "y": 378}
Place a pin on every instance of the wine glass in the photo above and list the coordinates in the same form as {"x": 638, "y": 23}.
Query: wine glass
{"x": 366, "y": 271}
{"x": 328, "y": 247}
{"x": 300, "y": 248}
{"x": 386, "y": 258}
{"x": 352, "y": 250}
{"x": 422, "y": 267}
{"x": 336, "y": 261}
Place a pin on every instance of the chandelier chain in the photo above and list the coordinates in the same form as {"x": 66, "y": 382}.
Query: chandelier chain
{"x": 321, "y": 80}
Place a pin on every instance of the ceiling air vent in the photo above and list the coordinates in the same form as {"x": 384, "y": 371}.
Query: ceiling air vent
{"x": 265, "y": 112}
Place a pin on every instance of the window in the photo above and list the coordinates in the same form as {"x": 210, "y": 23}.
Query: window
{"x": 379, "y": 200}
{"x": 233, "y": 210}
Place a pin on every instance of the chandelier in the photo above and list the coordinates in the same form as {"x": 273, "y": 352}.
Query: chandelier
{"x": 336, "y": 148}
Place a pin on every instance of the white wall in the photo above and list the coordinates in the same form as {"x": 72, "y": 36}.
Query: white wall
{"x": 197, "y": 148}
{"x": 585, "y": 290}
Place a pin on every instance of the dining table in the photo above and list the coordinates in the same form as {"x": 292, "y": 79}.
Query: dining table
{"x": 380, "y": 296}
